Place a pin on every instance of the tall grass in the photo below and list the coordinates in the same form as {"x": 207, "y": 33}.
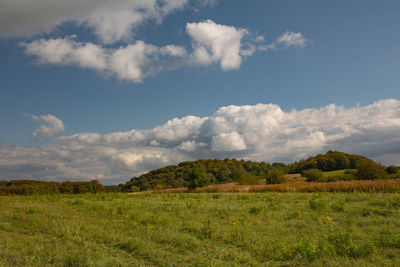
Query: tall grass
{"x": 273, "y": 229}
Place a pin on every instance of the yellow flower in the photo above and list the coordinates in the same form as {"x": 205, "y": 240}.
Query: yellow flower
{"x": 328, "y": 219}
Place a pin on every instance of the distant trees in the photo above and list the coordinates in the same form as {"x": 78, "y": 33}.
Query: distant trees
{"x": 30, "y": 187}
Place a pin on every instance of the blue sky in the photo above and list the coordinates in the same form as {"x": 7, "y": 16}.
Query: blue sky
{"x": 300, "y": 56}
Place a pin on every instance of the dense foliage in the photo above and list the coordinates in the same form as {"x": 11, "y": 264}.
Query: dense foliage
{"x": 202, "y": 172}
{"x": 29, "y": 187}
{"x": 331, "y": 161}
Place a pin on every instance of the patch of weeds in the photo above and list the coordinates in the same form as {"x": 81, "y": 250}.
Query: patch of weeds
{"x": 190, "y": 204}
{"x": 207, "y": 230}
{"x": 389, "y": 239}
{"x": 216, "y": 196}
{"x": 31, "y": 210}
{"x": 293, "y": 215}
{"x": 339, "y": 206}
{"x": 377, "y": 203}
{"x": 316, "y": 203}
{"x": 243, "y": 197}
{"x": 256, "y": 210}
{"x": 369, "y": 211}
{"x": 344, "y": 246}
{"x": 75, "y": 260}
{"x": 76, "y": 202}
{"x": 307, "y": 250}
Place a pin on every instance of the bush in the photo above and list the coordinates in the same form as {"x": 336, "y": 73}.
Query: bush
{"x": 392, "y": 169}
{"x": 275, "y": 177}
{"x": 135, "y": 189}
{"x": 313, "y": 175}
{"x": 369, "y": 170}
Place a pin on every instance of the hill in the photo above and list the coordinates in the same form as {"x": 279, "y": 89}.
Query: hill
{"x": 213, "y": 171}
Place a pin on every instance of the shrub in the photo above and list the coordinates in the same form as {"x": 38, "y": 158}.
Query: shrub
{"x": 313, "y": 175}
{"x": 275, "y": 176}
{"x": 369, "y": 170}
{"x": 159, "y": 187}
{"x": 134, "y": 188}
{"x": 392, "y": 169}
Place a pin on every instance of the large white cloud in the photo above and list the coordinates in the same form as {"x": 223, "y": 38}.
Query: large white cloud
{"x": 111, "y": 20}
{"x": 262, "y": 132}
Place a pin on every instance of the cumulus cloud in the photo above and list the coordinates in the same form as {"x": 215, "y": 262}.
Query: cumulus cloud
{"x": 228, "y": 142}
{"x": 111, "y": 20}
{"x": 262, "y": 132}
{"x": 52, "y": 126}
{"x": 214, "y": 42}
{"x": 132, "y": 62}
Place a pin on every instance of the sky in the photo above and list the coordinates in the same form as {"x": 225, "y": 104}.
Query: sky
{"x": 107, "y": 90}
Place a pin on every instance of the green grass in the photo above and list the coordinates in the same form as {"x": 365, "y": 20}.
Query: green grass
{"x": 332, "y": 173}
{"x": 269, "y": 229}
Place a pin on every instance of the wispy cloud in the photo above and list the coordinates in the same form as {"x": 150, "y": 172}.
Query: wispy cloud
{"x": 51, "y": 127}
{"x": 285, "y": 40}
{"x": 262, "y": 132}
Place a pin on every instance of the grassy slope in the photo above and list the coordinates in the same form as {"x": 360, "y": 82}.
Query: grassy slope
{"x": 331, "y": 229}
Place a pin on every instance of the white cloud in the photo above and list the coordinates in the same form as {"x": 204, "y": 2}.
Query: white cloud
{"x": 111, "y": 20}
{"x": 132, "y": 62}
{"x": 66, "y": 51}
{"x": 292, "y": 39}
{"x": 286, "y": 40}
{"x": 262, "y": 132}
{"x": 214, "y": 42}
{"x": 52, "y": 126}
{"x": 227, "y": 142}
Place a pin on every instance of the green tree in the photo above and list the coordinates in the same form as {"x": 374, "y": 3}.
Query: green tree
{"x": 198, "y": 177}
{"x": 275, "y": 176}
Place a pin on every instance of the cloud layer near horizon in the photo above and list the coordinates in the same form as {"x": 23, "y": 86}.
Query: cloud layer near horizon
{"x": 262, "y": 132}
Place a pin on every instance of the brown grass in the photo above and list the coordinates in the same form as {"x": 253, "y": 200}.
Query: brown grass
{"x": 295, "y": 185}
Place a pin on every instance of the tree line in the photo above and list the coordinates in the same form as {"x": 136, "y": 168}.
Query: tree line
{"x": 31, "y": 187}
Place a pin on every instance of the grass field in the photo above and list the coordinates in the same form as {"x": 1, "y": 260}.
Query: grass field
{"x": 265, "y": 229}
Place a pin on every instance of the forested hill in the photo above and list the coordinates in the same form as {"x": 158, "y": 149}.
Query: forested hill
{"x": 211, "y": 171}
{"x": 214, "y": 171}
{"x": 330, "y": 161}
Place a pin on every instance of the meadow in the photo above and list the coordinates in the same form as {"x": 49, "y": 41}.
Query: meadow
{"x": 201, "y": 229}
